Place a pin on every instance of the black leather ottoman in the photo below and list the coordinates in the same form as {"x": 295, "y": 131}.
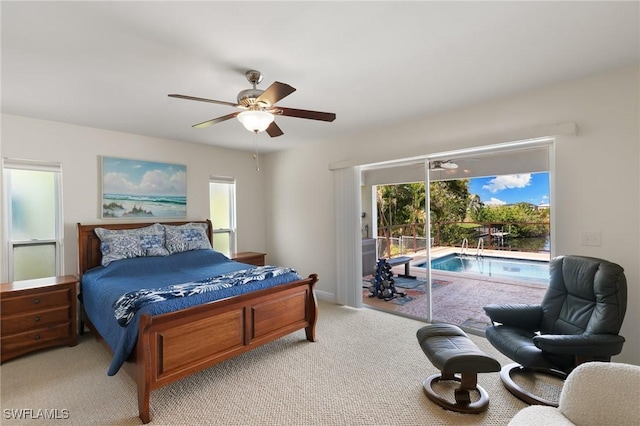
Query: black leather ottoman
{"x": 452, "y": 352}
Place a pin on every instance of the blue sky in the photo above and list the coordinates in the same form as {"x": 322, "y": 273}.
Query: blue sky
{"x": 508, "y": 189}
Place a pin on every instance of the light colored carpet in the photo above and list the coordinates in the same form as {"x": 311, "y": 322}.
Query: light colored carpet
{"x": 365, "y": 369}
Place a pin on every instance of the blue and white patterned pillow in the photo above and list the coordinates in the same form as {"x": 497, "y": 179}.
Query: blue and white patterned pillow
{"x": 191, "y": 236}
{"x": 128, "y": 243}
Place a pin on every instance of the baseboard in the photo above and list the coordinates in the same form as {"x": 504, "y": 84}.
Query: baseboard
{"x": 325, "y": 296}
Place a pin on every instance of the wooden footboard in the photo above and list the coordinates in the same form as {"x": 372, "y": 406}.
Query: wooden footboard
{"x": 174, "y": 345}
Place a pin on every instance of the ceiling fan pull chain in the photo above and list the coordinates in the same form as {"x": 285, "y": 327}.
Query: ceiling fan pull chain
{"x": 255, "y": 153}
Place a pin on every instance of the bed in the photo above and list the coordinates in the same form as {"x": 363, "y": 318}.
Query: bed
{"x": 168, "y": 340}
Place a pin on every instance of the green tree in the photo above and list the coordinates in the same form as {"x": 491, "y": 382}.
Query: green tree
{"x": 416, "y": 212}
{"x": 449, "y": 202}
{"x": 476, "y": 208}
{"x": 522, "y": 219}
{"x": 404, "y": 204}
{"x": 386, "y": 200}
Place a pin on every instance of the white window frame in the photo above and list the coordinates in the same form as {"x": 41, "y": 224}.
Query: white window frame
{"x": 7, "y": 242}
{"x": 232, "y": 211}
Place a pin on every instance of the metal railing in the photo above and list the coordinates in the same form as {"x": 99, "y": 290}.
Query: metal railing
{"x": 390, "y": 247}
{"x": 464, "y": 246}
{"x": 480, "y": 249}
{"x": 401, "y": 239}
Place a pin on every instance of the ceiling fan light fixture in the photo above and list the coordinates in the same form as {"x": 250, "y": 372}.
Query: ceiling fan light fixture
{"x": 255, "y": 121}
{"x": 448, "y": 165}
{"x": 442, "y": 165}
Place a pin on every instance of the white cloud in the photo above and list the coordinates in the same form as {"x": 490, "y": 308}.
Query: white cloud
{"x": 158, "y": 182}
{"x": 500, "y": 183}
{"x": 495, "y": 202}
{"x": 179, "y": 182}
{"x": 117, "y": 183}
{"x": 153, "y": 182}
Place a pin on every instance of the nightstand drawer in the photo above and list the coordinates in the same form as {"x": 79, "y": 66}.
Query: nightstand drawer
{"x": 250, "y": 257}
{"x": 36, "y": 339}
{"x": 253, "y": 260}
{"x": 32, "y": 320}
{"x": 35, "y": 301}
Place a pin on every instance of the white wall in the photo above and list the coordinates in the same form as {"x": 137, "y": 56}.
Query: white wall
{"x": 79, "y": 150}
{"x": 596, "y": 185}
{"x": 300, "y": 218}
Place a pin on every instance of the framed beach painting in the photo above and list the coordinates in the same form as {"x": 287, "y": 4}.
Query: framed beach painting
{"x": 138, "y": 188}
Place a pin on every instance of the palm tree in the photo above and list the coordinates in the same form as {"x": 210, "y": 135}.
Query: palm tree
{"x": 386, "y": 200}
{"x": 416, "y": 209}
{"x": 475, "y": 208}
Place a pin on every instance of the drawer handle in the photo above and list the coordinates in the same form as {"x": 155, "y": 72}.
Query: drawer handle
{"x": 37, "y": 318}
{"x": 36, "y": 301}
{"x": 37, "y": 337}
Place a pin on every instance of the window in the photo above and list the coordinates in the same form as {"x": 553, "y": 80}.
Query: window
{"x": 222, "y": 205}
{"x": 33, "y": 210}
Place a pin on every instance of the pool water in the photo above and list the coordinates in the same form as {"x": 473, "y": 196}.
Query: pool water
{"x": 525, "y": 270}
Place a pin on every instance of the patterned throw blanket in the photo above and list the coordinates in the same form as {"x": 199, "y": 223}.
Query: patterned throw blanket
{"x": 128, "y": 304}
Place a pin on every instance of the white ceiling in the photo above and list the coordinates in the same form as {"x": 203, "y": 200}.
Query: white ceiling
{"x": 111, "y": 65}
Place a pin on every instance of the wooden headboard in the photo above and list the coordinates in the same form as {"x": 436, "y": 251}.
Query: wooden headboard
{"x": 89, "y": 254}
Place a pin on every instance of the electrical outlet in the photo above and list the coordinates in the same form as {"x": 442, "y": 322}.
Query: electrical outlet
{"x": 591, "y": 238}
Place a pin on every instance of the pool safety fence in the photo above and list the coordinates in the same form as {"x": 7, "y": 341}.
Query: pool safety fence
{"x": 390, "y": 247}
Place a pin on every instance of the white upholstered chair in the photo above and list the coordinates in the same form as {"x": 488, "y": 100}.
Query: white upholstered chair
{"x": 595, "y": 393}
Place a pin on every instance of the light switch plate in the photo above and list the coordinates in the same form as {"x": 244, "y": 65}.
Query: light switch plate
{"x": 591, "y": 238}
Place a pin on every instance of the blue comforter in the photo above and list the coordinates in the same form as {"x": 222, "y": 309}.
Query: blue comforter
{"x": 103, "y": 286}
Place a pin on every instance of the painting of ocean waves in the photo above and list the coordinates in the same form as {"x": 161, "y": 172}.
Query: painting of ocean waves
{"x": 123, "y": 205}
{"x": 135, "y": 188}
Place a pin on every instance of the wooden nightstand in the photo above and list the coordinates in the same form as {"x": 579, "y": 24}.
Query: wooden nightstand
{"x": 37, "y": 314}
{"x": 250, "y": 257}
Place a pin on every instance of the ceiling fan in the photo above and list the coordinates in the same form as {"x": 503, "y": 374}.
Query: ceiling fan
{"x": 442, "y": 165}
{"x": 260, "y": 107}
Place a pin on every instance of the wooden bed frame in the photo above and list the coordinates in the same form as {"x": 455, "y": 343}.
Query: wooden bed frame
{"x": 174, "y": 345}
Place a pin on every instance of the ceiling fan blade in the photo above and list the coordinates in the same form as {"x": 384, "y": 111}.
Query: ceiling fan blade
{"x": 212, "y": 101}
{"x": 273, "y": 130}
{"x": 215, "y": 120}
{"x": 303, "y": 113}
{"x": 275, "y": 92}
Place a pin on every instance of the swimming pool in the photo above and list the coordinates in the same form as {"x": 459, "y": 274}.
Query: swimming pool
{"x": 525, "y": 270}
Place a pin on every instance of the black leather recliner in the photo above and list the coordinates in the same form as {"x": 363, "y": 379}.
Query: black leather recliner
{"x": 578, "y": 321}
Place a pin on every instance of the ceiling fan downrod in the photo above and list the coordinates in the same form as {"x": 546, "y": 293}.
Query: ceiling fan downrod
{"x": 254, "y": 77}
{"x": 248, "y": 97}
